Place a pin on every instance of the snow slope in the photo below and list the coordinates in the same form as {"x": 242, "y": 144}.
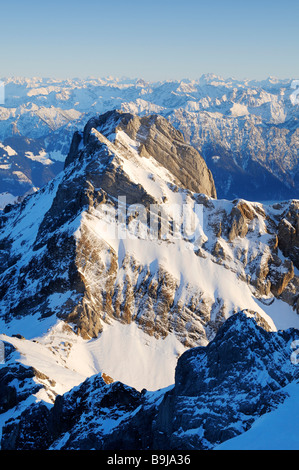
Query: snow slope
{"x": 277, "y": 430}
{"x": 123, "y": 352}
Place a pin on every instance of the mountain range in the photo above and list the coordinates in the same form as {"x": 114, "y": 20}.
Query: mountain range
{"x": 246, "y": 131}
{"x": 138, "y": 308}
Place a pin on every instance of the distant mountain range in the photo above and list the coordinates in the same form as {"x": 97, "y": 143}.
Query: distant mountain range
{"x": 246, "y": 131}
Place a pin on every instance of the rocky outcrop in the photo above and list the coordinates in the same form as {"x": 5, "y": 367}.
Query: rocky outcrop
{"x": 251, "y": 234}
{"x": 288, "y": 233}
{"x": 158, "y": 138}
{"x": 17, "y": 383}
{"x": 281, "y": 274}
{"x": 241, "y": 215}
{"x": 219, "y": 391}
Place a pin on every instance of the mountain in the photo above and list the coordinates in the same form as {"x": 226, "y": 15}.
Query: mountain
{"x": 121, "y": 266}
{"x": 247, "y": 131}
{"x": 62, "y": 253}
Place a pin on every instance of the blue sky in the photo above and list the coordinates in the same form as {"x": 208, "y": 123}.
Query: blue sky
{"x": 155, "y": 40}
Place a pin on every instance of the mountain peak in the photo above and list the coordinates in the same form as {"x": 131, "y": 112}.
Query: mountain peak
{"x": 153, "y": 137}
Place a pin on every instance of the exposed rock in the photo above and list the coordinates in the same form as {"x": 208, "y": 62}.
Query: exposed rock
{"x": 168, "y": 146}
{"x": 33, "y": 422}
{"x": 220, "y": 388}
{"x": 239, "y": 227}
{"x": 157, "y": 138}
{"x": 288, "y": 234}
{"x": 64, "y": 264}
{"x": 74, "y": 149}
{"x": 16, "y": 384}
{"x": 281, "y": 274}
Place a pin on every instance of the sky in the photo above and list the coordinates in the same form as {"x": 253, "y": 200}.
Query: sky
{"x": 154, "y": 40}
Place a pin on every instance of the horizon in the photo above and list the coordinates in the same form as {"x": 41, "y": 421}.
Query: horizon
{"x": 114, "y": 78}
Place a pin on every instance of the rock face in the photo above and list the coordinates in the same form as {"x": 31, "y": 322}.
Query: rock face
{"x": 18, "y": 383}
{"x": 9, "y": 395}
{"x": 158, "y": 138}
{"x": 219, "y": 391}
{"x": 288, "y": 233}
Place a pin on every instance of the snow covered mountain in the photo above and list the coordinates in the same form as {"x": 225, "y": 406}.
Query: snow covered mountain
{"x": 123, "y": 263}
{"x": 246, "y": 131}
